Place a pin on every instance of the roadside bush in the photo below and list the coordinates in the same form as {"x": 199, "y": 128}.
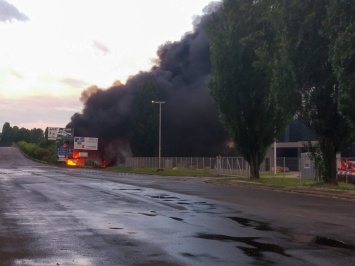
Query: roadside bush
{"x": 36, "y": 152}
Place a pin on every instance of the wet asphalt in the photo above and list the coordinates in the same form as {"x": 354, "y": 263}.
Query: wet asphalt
{"x": 71, "y": 216}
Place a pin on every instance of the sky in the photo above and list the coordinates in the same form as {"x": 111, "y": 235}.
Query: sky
{"x": 51, "y": 51}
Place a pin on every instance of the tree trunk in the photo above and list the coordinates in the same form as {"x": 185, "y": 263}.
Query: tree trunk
{"x": 254, "y": 168}
{"x": 329, "y": 161}
{"x": 331, "y": 171}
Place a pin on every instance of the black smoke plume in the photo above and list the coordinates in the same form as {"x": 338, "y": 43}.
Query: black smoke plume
{"x": 190, "y": 122}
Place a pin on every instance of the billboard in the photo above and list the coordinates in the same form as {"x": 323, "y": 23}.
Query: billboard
{"x": 84, "y": 143}
{"x": 59, "y": 133}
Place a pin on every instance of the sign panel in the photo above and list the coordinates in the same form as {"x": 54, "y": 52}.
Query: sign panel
{"x": 59, "y": 133}
{"x": 62, "y": 151}
{"x": 84, "y": 143}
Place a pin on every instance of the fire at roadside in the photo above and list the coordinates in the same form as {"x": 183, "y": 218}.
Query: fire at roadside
{"x": 86, "y": 158}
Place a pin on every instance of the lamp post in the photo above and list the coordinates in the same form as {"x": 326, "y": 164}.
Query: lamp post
{"x": 160, "y": 103}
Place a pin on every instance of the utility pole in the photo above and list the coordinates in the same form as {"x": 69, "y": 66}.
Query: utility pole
{"x": 160, "y": 103}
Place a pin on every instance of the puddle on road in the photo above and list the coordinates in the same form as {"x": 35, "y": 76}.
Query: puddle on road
{"x": 324, "y": 241}
{"x": 128, "y": 189}
{"x": 183, "y": 203}
{"x": 332, "y": 243}
{"x": 256, "y": 250}
{"x": 163, "y": 196}
{"x": 177, "y": 219}
{"x": 261, "y": 226}
{"x": 151, "y": 213}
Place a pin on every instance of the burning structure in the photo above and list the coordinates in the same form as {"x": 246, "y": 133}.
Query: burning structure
{"x": 125, "y": 121}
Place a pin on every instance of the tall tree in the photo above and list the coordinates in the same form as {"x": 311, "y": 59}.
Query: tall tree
{"x": 144, "y": 122}
{"x": 6, "y": 135}
{"x": 251, "y": 83}
{"x": 340, "y": 29}
{"x": 36, "y": 135}
{"x": 317, "y": 83}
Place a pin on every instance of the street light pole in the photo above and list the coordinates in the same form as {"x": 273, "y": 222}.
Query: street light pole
{"x": 160, "y": 103}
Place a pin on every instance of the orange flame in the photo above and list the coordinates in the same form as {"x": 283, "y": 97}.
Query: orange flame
{"x": 71, "y": 162}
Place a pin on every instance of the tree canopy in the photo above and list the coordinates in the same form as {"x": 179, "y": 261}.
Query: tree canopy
{"x": 340, "y": 30}
{"x": 15, "y": 134}
{"x": 251, "y": 83}
{"x": 268, "y": 56}
{"x": 144, "y": 122}
{"x": 317, "y": 84}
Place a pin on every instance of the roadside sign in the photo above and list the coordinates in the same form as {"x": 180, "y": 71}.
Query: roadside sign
{"x": 62, "y": 151}
{"x": 83, "y": 154}
{"x": 84, "y": 143}
{"x": 59, "y": 133}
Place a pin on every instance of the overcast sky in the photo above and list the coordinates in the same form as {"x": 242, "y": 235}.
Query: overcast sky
{"x": 51, "y": 51}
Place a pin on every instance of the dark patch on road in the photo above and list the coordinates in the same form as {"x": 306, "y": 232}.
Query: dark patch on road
{"x": 256, "y": 251}
{"x": 128, "y": 189}
{"x": 324, "y": 241}
{"x": 183, "y": 203}
{"x": 163, "y": 196}
{"x": 177, "y": 218}
{"x": 332, "y": 243}
{"x": 261, "y": 226}
{"x": 149, "y": 214}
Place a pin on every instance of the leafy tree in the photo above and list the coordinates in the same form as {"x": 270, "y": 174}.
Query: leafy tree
{"x": 16, "y": 134}
{"x": 340, "y": 29}
{"x": 6, "y": 135}
{"x": 252, "y": 83}
{"x": 318, "y": 87}
{"x": 36, "y": 135}
{"x": 144, "y": 125}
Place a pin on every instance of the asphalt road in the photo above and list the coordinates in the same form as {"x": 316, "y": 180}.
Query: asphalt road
{"x": 71, "y": 216}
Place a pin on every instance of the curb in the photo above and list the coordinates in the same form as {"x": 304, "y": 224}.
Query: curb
{"x": 320, "y": 192}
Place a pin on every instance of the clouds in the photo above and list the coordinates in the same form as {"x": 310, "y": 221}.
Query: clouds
{"x": 37, "y": 111}
{"x": 102, "y": 48}
{"x": 9, "y": 12}
{"x": 74, "y": 82}
{"x": 66, "y": 46}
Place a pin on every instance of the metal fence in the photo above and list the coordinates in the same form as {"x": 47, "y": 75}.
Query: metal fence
{"x": 302, "y": 167}
{"x": 234, "y": 166}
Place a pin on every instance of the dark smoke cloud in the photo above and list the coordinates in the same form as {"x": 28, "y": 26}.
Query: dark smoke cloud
{"x": 190, "y": 123}
{"x": 9, "y": 12}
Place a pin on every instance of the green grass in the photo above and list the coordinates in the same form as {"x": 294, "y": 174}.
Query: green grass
{"x": 266, "y": 178}
{"x": 281, "y": 181}
{"x": 165, "y": 172}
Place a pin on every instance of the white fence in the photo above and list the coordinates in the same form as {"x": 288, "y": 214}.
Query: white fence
{"x": 234, "y": 166}
{"x": 302, "y": 167}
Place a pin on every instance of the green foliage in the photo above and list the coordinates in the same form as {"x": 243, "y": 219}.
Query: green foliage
{"x": 263, "y": 52}
{"x": 317, "y": 156}
{"x": 6, "y": 135}
{"x": 165, "y": 172}
{"x": 31, "y": 142}
{"x": 32, "y": 150}
{"x": 340, "y": 30}
{"x": 252, "y": 81}
{"x": 144, "y": 122}
{"x": 309, "y": 48}
{"x": 15, "y": 134}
